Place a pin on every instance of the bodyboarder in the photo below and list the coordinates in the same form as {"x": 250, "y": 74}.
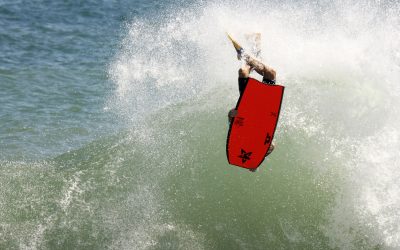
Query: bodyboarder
{"x": 251, "y": 63}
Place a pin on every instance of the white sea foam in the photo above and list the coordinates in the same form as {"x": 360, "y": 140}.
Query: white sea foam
{"x": 340, "y": 64}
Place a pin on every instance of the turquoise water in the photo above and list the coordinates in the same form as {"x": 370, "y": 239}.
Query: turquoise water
{"x": 113, "y": 123}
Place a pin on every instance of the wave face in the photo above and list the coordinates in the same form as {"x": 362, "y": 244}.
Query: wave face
{"x": 163, "y": 182}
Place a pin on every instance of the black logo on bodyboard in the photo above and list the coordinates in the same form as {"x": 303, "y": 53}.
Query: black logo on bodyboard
{"x": 267, "y": 139}
{"x": 239, "y": 121}
{"x": 245, "y": 155}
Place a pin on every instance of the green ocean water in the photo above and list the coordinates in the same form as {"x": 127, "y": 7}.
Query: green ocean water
{"x": 113, "y": 126}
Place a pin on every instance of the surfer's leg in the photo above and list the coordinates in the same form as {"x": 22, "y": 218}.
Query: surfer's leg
{"x": 254, "y": 39}
{"x": 244, "y": 71}
{"x": 268, "y": 73}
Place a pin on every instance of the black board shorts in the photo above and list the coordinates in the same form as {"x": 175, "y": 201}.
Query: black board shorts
{"x": 243, "y": 83}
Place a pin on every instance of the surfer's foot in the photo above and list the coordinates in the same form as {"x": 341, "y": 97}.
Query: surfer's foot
{"x": 240, "y": 53}
{"x": 255, "y": 41}
{"x": 253, "y": 170}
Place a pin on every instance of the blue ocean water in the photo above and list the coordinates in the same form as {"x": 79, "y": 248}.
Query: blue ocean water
{"x": 54, "y": 59}
{"x": 113, "y": 123}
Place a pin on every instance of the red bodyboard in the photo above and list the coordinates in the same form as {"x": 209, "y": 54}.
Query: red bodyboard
{"x": 253, "y": 128}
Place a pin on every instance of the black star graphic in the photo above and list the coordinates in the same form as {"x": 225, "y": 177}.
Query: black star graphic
{"x": 244, "y": 155}
{"x": 267, "y": 139}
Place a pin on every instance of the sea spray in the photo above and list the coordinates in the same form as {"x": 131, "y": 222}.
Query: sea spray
{"x": 341, "y": 90}
{"x": 160, "y": 179}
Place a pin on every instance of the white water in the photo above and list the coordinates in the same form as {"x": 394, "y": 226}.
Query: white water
{"x": 340, "y": 63}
